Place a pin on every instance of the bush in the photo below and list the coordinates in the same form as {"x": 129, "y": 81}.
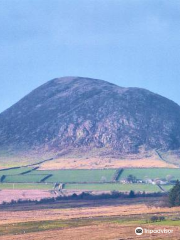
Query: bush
{"x": 2, "y": 178}
{"x": 161, "y": 218}
{"x": 154, "y": 219}
{"x": 131, "y": 178}
{"x": 132, "y": 194}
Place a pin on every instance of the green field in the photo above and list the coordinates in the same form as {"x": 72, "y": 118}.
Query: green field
{"x": 167, "y": 187}
{"x": 65, "y": 176}
{"x": 15, "y": 171}
{"x": 61, "y": 176}
{"x": 41, "y": 186}
{"x": 24, "y": 178}
{"x": 88, "y": 179}
{"x": 114, "y": 187}
{"x": 153, "y": 173}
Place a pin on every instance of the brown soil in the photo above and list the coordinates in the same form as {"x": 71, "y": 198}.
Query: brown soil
{"x": 8, "y": 195}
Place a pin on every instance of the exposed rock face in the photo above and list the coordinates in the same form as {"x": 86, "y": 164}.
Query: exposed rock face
{"x": 73, "y": 112}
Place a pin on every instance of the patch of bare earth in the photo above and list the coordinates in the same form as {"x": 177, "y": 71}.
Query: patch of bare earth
{"x": 8, "y": 195}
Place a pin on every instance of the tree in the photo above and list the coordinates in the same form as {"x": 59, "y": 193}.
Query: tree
{"x": 169, "y": 178}
{"x": 131, "y": 178}
{"x": 161, "y": 218}
{"x": 174, "y": 195}
{"x": 154, "y": 219}
{"x": 131, "y": 194}
{"x": 2, "y": 178}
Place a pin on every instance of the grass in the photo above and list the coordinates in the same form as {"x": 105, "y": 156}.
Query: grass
{"x": 114, "y": 187}
{"x": 24, "y": 178}
{"x": 142, "y": 173}
{"x": 15, "y": 171}
{"x": 27, "y": 227}
{"x": 167, "y": 187}
{"x": 168, "y": 222}
{"x": 20, "y": 186}
{"x": 90, "y": 177}
{"x": 45, "y": 225}
{"x": 95, "y": 175}
{"x": 39, "y": 226}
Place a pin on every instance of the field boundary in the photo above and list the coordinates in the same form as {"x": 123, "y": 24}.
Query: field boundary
{"x": 45, "y": 178}
{"x": 33, "y": 169}
{"x": 117, "y": 174}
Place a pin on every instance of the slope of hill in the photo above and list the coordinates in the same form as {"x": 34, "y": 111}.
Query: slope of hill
{"x": 74, "y": 114}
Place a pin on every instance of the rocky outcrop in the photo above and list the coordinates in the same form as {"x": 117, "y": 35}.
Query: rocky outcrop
{"x": 71, "y": 113}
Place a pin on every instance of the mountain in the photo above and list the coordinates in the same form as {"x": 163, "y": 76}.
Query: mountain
{"x": 82, "y": 114}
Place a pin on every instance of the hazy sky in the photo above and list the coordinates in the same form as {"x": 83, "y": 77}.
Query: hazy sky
{"x": 127, "y": 42}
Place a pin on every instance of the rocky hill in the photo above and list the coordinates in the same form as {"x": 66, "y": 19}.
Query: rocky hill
{"x": 72, "y": 113}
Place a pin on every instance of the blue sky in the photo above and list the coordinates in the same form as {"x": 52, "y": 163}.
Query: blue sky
{"x": 128, "y": 42}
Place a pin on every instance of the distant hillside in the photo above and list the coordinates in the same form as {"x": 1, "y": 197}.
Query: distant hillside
{"x": 69, "y": 114}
